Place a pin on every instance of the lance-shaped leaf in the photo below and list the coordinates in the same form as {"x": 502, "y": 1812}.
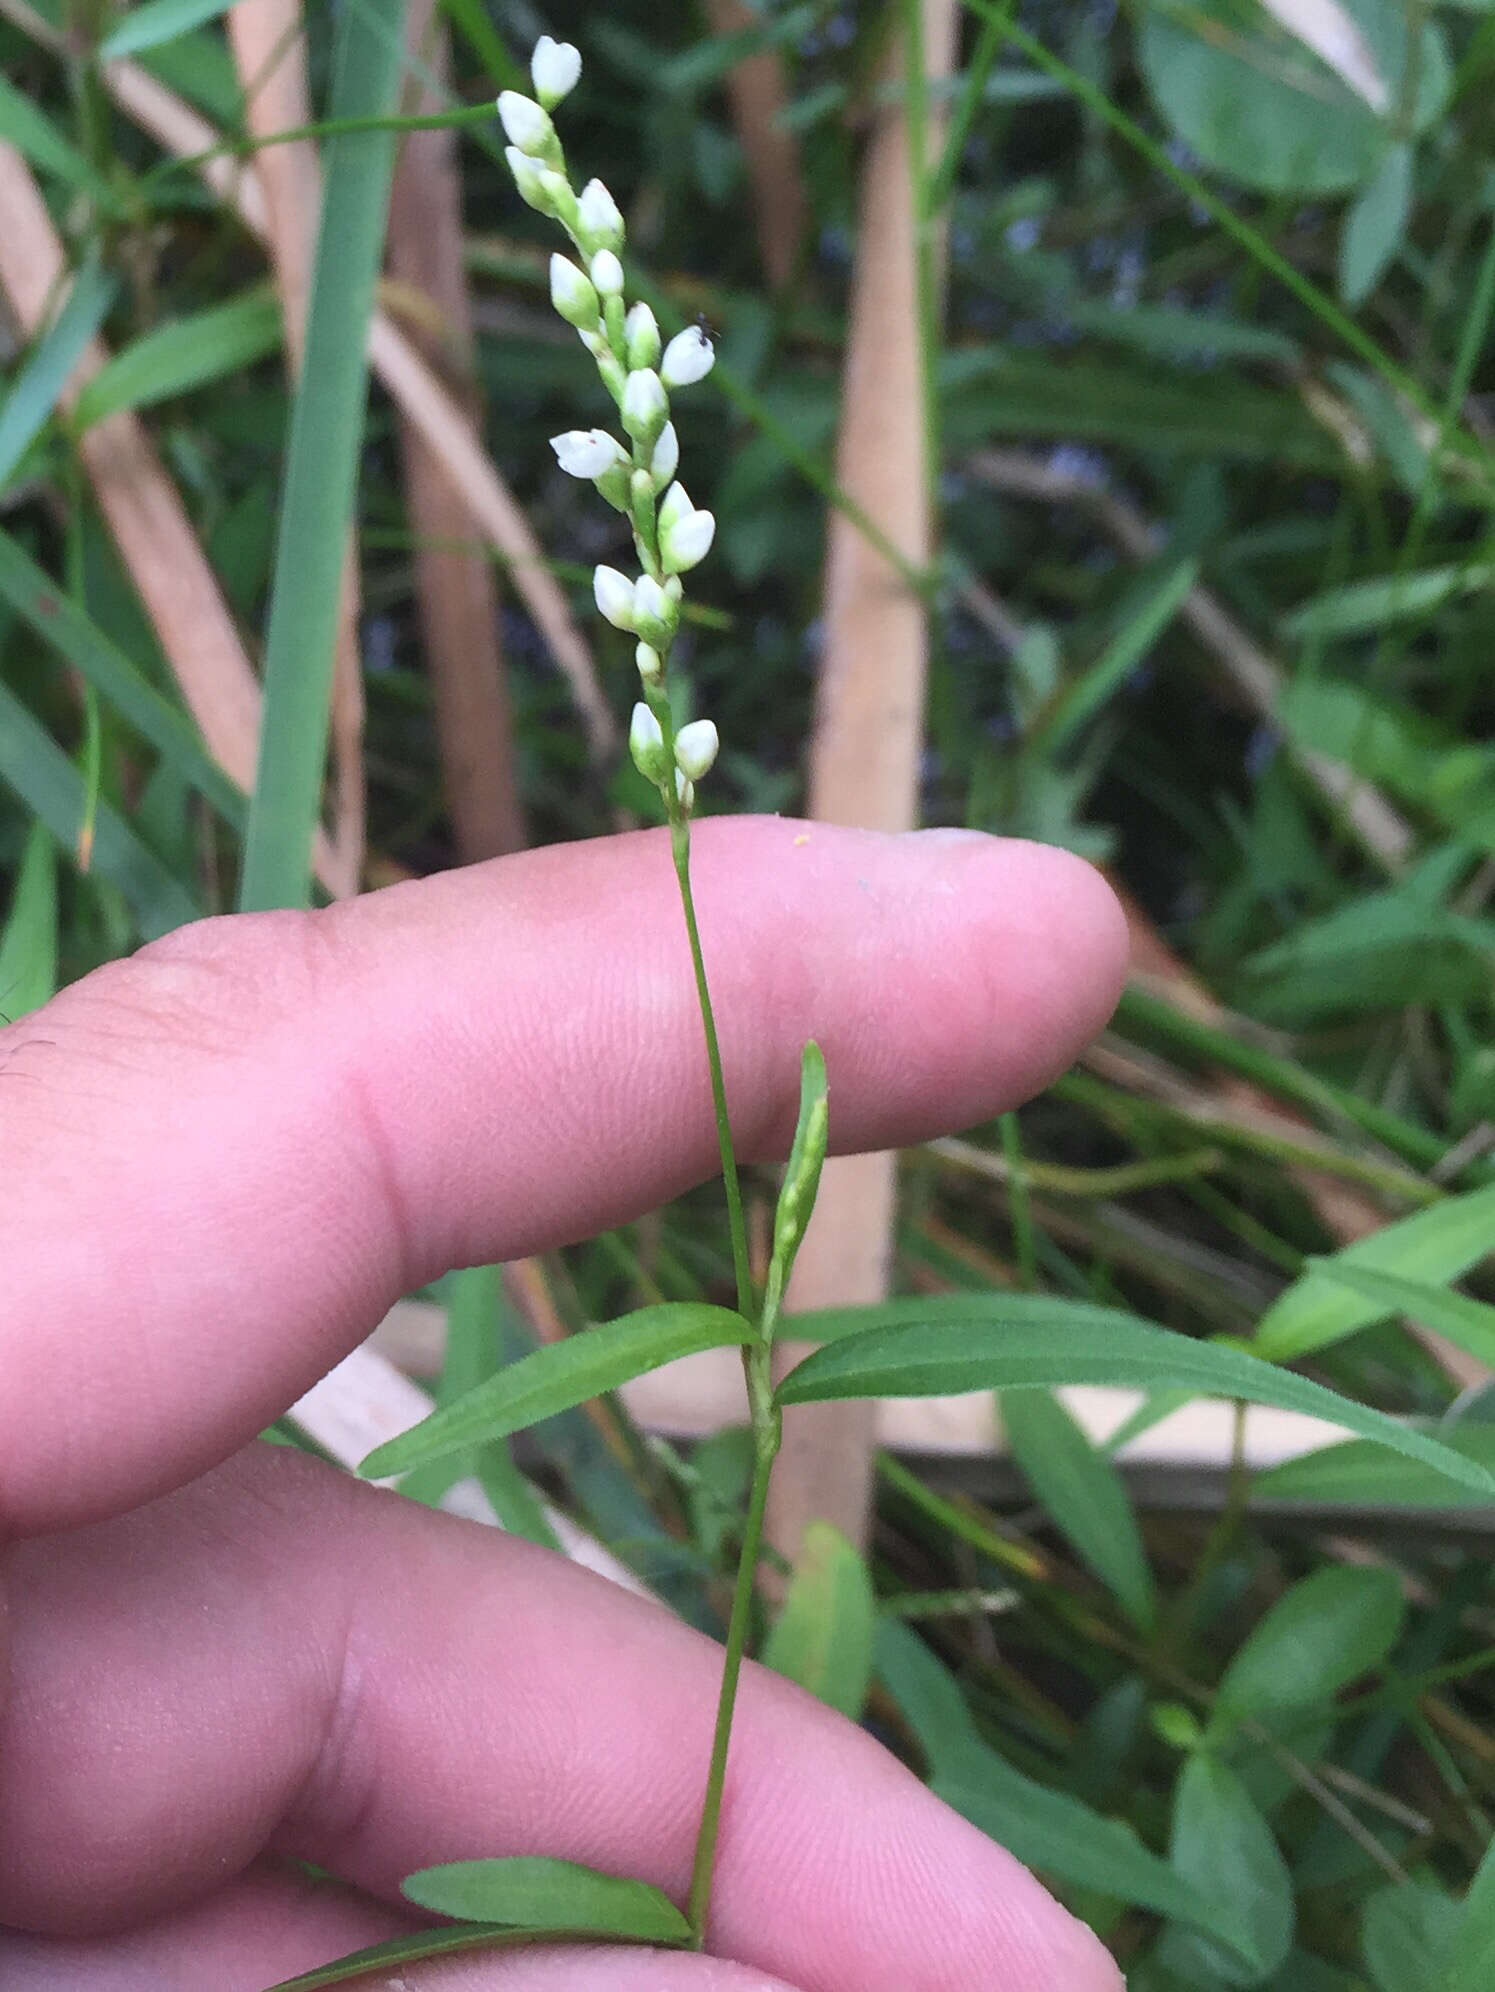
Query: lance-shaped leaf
{"x": 429, "y": 1943}
{"x": 559, "y": 1376}
{"x": 533, "y": 1893}
{"x": 925, "y": 1350}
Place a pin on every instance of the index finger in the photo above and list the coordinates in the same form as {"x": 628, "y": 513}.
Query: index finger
{"x": 231, "y": 1153}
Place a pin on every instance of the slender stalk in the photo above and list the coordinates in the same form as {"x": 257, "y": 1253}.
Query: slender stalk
{"x": 767, "y": 1430}
{"x": 680, "y": 846}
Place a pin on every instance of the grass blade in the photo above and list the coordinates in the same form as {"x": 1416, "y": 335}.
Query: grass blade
{"x": 51, "y": 787}
{"x": 59, "y": 621}
{"x": 35, "y": 392}
{"x": 322, "y": 463}
{"x": 175, "y": 358}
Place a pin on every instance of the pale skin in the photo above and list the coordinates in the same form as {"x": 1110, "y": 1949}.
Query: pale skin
{"x": 225, "y": 1158}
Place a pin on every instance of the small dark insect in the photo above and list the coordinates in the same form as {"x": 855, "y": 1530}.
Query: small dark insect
{"x": 705, "y": 327}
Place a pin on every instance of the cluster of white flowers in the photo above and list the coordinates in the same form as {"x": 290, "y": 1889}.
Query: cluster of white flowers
{"x": 639, "y": 371}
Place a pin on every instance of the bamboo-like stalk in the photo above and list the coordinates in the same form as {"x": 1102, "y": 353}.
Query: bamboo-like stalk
{"x": 269, "y": 52}
{"x": 864, "y": 756}
{"x": 144, "y": 513}
{"x": 455, "y": 591}
{"x": 758, "y": 96}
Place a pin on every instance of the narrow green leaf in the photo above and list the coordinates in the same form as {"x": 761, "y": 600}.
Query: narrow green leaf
{"x": 427, "y": 1943}
{"x": 1084, "y": 1497}
{"x": 1361, "y": 608}
{"x": 1469, "y": 1322}
{"x": 48, "y": 783}
{"x": 1126, "y": 650}
{"x": 1221, "y": 1843}
{"x": 559, "y": 1376}
{"x": 533, "y": 1894}
{"x": 823, "y": 1636}
{"x": 1440, "y": 1243}
{"x": 1049, "y": 1830}
{"x": 34, "y": 393}
{"x": 322, "y": 462}
{"x": 1358, "y": 1476}
{"x": 801, "y": 1176}
{"x": 470, "y": 19}
{"x": 185, "y": 354}
{"x": 1407, "y": 1937}
{"x": 27, "y": 127}
{"x": 1323, "y": 1633}
{"x": 1063, "y": 1838}
{"x": 1034, "y": 1342}
{"x": 155, "y": 22}
{"x": 927, "y": 1693}
{"x": 58, "y": 621}
{"x": 1374, "y": 225}
{"x": 28, "y": 941}
{"x": 1472, "y": 1967}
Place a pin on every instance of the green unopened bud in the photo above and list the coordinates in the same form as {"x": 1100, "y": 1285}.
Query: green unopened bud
{"x": 572, "y": 294}
{"x": 641, "y": 336}
{"x": 562, "y": 199}
{"x": 801, "y": 1176}
{"x": 650, "y": 663}
{"x": 646, "y": 745}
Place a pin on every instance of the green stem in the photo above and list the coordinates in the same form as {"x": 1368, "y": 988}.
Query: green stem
{"x": 680, "y": 846}
{"x": 767, "y": 1430}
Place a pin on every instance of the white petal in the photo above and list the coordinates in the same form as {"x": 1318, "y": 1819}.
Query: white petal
{"x": 688, "y": 357}
{"x": 696, "y": 748}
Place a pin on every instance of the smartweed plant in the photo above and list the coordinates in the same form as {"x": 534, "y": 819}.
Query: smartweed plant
{"x": 524, "y": 1899}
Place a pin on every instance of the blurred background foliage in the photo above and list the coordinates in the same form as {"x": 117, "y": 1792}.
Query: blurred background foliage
{"x": 1211, "y": 410}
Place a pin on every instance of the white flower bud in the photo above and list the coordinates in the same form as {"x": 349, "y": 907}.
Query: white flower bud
{"x": 688, "y": 357}
{"x": 695, "y": 748}
{"x": 646, "y": 745}
{"x": 600, "y": 225}
{"x": 526, "y": 124}
{"x": 529, "y": 178}
{"x": 666, "y": 458}
{"x": 607, "y": 274}
{"x": 614, "y": 596}
{"x": 654, "y": 614}
{"x": 555, "y": 67}
{"x": 674, "y": 507}
{"x": 572, "y": 294}
{"x": 645, "y": 409}
{"x": 649, "y": 662}
{"x": 685, "y": 789}
{"x": 641, "y": 336}
{"x": 687, "y": 543}
{"x": 586, "y": 452}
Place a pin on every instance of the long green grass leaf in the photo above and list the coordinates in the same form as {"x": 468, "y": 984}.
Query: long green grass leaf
{"x": 35, "y": 391}
{"x": 28, "y": 940}
{"x": 155, "y": 22}
{"x": 322, "y": 464}
{"x": 188, "y": 353}
{"x": 48, "y": 783}
{"x": 59, "y": 622}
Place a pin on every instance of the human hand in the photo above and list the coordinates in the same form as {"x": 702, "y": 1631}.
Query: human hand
{"x": 227, "y": 1157}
